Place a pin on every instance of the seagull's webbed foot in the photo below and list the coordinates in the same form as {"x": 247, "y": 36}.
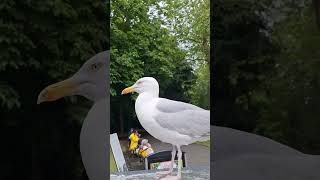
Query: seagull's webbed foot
{"x": 163, "y": 174}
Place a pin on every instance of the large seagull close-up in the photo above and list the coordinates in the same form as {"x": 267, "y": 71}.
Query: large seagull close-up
{"x": 91, "y": 81}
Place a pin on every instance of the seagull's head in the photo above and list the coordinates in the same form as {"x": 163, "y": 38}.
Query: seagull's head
{"x": 89, "y": 81}
{"x": 144, "y": 85}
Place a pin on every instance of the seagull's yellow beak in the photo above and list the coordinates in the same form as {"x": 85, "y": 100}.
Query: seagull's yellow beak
{"x": 127, "y": 90}
{"x": 57, "y": 91}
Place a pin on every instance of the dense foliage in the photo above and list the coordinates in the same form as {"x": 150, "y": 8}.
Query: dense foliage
{"x": 267, "y": 70}
{"x": 42, "y": 42}
{"x": 291, "y": 113}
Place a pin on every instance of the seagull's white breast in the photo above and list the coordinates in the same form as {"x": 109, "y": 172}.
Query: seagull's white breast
{"x": 145, "y": 107}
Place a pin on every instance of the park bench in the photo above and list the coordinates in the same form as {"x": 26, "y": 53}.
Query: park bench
{"x": 162, "y": 159}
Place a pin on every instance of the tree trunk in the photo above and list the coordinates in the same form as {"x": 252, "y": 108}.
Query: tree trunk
{"x": 121, "y": 120}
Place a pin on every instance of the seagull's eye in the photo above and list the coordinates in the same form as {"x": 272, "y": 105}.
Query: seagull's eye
{"x": 95, "y": 67}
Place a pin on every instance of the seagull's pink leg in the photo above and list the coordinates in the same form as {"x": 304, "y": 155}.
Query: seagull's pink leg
{"x": 166, "y": 173}
{"x": 178, "y": 177}
{"x": 179, "y": 162}
{"x": 173, "y": 154}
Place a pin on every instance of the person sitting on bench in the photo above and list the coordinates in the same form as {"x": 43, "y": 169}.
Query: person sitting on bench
{"x": 146, "y": 150}
{"x": 141, "y": 143}
{"x": 134, "y": 138}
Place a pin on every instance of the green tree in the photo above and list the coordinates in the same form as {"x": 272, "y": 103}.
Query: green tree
{"x": 243, "y": 58}
{"x": 291, "y": 114}
{"x": 141, "y": 46}
{"x": 189, "y": 22}
{"x": 42, "y": 42}
{"x": 200, "y": 90}
{"x": 266, "y": 70}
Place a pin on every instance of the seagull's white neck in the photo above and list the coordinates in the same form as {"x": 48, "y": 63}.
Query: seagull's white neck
{"x": 144, "y": 98}
{"x": 148, "y": 95}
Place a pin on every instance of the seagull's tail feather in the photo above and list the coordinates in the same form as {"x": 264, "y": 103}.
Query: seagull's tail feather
{"x": 204, "y": 138}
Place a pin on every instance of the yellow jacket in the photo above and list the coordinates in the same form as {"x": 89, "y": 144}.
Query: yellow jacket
{"x": 145, "y": 151}
{"x": 133, "y": 142}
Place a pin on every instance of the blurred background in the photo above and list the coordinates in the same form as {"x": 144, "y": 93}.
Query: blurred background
{"x": 266, "y": 77}
{"x": 43, "y": 42}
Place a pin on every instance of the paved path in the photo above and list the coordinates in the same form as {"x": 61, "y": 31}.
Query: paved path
{"x": 197, "y": 155}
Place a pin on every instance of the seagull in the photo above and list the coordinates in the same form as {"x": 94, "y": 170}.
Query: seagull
{"x": 172, "y": 122}
{"x": 90, "y": 81}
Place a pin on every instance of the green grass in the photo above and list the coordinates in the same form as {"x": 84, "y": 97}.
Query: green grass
{"x": 204, "y": 143}
{"x": 113, "y": 166}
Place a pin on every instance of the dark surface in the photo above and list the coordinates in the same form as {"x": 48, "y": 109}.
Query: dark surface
{"x": 228, "y": 143}
{"x": 244, "y": 156}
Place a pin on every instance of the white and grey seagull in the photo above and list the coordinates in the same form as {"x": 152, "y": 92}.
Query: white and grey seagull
{"x": 91, "y": 81}
{"x": 172, "y": 122}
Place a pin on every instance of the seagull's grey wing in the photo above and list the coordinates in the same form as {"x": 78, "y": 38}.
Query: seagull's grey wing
{"x": 169, "y": 106}
{"x": 184, "y": 118}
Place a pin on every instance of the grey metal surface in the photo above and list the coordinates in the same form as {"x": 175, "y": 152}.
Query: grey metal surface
{"x": 192, "y": 173}
{"x": 238, "y": 155}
